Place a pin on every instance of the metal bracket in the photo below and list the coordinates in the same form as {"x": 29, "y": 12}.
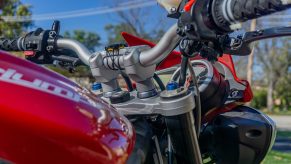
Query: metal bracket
{"x": 156, "y": 105}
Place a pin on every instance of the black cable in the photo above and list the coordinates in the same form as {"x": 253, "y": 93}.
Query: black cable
{"x": 197, "y": 99}
{"x": 188, "y": 49}
{"x": 106, "y": 57}
{"x": 114, "y": 56}
{"x": 112, "y": 59}
{"x": 127, "y": 81}
{"x": 118, "y": 62}
{"x": 115, "y": 65}
{"x": 183, "y": 71}
{"x": 159, "y": 81}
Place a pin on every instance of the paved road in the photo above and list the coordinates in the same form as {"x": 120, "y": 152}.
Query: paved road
{"x": 282, "y": 144}
{"x": 282, "y": 122}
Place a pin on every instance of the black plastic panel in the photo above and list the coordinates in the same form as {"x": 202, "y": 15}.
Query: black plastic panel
{"x": 243, "y": 135}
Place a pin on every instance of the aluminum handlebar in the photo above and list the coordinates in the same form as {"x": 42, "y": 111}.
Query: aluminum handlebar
{"x": 146, "y": 58}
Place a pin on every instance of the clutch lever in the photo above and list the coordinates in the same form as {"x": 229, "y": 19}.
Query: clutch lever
{"x": 68, "y": 59}
{"x": 66, "y": 62}
{"x": 241, "y": 44}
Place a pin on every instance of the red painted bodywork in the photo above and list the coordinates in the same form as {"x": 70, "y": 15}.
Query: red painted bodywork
{"x": 39, "y": 125}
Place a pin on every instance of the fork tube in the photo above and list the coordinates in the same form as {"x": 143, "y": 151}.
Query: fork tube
{"x": 184, "y": 138}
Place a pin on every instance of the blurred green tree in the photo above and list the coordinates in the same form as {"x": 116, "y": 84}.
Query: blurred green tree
{"x": 260, "y": 99}
{"x": 283, "y": 85}
{"x": 283, "y": 92}
{"x": 15, "y": 8}
{"x": 274, "y": 56}
{"x": 114, "y": 33}
{"x": 90, "y": 39}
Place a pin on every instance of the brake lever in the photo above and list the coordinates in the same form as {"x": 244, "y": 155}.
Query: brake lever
{"x": 241, "y": 44}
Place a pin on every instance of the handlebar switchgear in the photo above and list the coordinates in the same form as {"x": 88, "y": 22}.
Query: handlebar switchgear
{"x": 209, "y": 19}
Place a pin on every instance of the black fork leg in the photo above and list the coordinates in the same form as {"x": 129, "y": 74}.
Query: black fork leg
{"x": 184, "y": 138}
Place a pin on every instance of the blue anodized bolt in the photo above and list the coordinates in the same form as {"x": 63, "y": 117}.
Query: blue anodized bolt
{"x": 96, "y": 86}
{"x": 172, "y": 86}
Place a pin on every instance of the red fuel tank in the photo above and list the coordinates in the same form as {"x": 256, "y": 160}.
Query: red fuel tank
{"x": 46, "y": 118}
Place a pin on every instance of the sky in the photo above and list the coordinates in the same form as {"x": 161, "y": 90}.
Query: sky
{"x": 93, "y": 23}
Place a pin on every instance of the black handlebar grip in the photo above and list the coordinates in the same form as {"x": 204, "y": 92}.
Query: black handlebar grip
{"x": 228, "y": 12}
{"x": 12, "y": 44}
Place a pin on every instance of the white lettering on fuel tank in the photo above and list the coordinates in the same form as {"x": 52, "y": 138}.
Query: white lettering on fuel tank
{"x": 12, "y": 76}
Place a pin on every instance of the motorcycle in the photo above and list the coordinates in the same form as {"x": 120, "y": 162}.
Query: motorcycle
{"x": 198, "y": 117}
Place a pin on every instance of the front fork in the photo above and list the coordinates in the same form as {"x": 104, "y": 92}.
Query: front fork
{"x": 184, "y": 138}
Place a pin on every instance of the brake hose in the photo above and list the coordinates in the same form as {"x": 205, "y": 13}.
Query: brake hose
{"x": 183, "y": 71}
{"x": 197, "y": 99}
